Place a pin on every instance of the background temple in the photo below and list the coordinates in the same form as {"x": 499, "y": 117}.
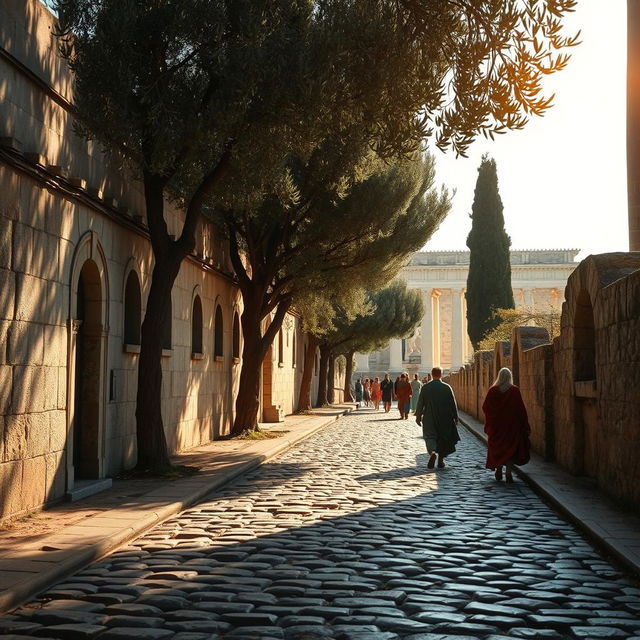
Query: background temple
{"x": 538, "y": 279}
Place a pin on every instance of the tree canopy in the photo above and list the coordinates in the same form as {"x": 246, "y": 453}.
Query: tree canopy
{"x": 508, "y": 319}
{"x": 489, "y": 279}
{"x": 288, "y": 105}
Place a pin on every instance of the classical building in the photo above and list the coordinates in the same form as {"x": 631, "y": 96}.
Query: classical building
{"x": 75, "y": 269}
{"x": 538, "y": 278}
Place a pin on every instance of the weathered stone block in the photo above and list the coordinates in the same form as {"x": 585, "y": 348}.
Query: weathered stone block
{"x": 31, "y": 298}
{"x": 50, "y": 388}
{"x": 56, "y": 473}
{"x": 34, "y": 482}
{"x": 15, "y": 437}
{"x": 28, "y": 390}
{"x": 10, "y": 488}
{"x": 57, "y": 430}
{"x": 6, "y": 385}
{"x": 62, "y": 387}
{"x": 6, "y": 233}
{"x": 25, "y": 344}
{"x": 37, "y": 434}
{"x": 7, "y": 294}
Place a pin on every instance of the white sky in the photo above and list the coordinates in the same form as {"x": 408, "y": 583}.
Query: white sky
{"x": 562, "y": 179}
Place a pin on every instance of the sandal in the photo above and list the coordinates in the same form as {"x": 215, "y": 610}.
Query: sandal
{"x": 498, "y": 474}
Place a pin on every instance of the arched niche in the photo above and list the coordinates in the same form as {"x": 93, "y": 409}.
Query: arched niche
{"x": 87, "y": 362}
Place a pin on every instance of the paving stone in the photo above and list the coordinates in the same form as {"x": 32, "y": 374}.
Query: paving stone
{"x": 256, "y": 632}
{"x": 71, "y": 631}
{"x": 65, "y": 616}
{"x": 593, "y": 632}
{"x": 308, "y": 632}
{"x": 14, "y": 625}
{"x": 339, "y": 537}
{"x": 139, "y": 633}
{"x": 133, "y": 621}
{"x": 133, "y": 609}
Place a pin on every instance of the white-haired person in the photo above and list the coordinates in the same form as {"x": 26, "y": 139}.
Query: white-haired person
{"x": 507, "y": 426}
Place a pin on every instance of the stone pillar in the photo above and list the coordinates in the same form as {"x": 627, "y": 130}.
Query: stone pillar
{"x": 528, "y": 299}
{"x": 457, "y": 333}
{"x": 362, "y": 363}
{"x": 435, "y": 305}
{"x": 633, "y": 122}
{"x": 426, "y": 354}
{"x": 395, "y": 355}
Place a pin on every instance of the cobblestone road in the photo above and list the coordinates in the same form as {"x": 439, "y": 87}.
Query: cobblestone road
{"x": 349, "y": 536}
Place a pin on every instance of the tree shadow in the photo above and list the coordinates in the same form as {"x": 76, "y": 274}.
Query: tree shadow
{"x": 403, "y": 566}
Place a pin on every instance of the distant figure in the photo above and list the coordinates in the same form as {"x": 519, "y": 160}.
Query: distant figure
{"x": 386, "y": 387}
{"x": 366, "y": 391}
{"x": 507, "y": 426}
{"x": 416, "y": 385}
{"x": 376, "y": 393}
{"x": 426, "y": 379}
{"x": 358, "y": 391}
{"x": 438, "y": 414}
{"x": 403, "y": 394}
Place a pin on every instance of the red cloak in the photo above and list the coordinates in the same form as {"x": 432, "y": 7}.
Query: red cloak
{"x": 507, "y": 426}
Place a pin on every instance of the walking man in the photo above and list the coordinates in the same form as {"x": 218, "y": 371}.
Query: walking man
{"x": 386, "y": 386}
{"x": 438, "y": 414}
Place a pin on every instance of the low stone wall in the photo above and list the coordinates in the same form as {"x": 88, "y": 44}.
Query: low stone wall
{"x": 582, "y": 392}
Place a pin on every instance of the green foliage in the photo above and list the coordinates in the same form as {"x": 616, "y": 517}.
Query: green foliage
{"x": 508, "y": 319}
{"x": 394, "y": 312}
{"x": 489, "y": 279}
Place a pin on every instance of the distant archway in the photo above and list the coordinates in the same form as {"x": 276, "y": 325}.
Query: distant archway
{"x": 218, "y": 334}
{"x": 196, "y": 326}
{"x": 132, "y": 309}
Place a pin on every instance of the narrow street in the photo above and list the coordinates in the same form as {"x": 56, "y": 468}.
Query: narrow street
{"x": 350, "y": 536}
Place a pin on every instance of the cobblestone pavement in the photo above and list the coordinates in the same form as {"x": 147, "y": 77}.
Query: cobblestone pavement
{"x": 349, "y": 536}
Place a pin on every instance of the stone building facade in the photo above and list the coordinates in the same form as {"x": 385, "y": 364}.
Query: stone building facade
{"x": 538, "y": 278}
{"x": 582, "y": 391}
{"x": 75, "y": 266}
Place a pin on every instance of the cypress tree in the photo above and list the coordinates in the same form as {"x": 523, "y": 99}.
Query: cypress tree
{"x": 489, "y": 279}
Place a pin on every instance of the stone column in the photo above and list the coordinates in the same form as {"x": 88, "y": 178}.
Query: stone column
{"x": 435, "y": 303}
{"x": 395, "y": 355}
{"x": 457, "y": 334}
{"x": 528, "y": 299}
{"x": 426, "y": 352}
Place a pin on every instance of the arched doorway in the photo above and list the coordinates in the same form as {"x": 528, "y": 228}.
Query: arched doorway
{"x": 86, "y": 367}
{"x": 88, "y": 378}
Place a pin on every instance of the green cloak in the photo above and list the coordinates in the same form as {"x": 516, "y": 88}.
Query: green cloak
{"x": 438, "y": 413}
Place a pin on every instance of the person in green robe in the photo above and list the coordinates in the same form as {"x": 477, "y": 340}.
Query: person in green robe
{"x": 437, "y": 413}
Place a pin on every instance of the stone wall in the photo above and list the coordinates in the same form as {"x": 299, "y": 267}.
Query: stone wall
{"x": 582, "y": 391}
{"x": 72, "y": 235}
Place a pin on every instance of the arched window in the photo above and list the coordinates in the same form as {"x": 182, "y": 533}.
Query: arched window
{"x": 196, "y": 326}
{"x": 132, "y": 309}
{"x": 280, "y": 347}
{"x": 295, "y": 346}
{"x": 166, "y": 339}
{"x": 218, "y": 329}
{"x": 236, "y": 336}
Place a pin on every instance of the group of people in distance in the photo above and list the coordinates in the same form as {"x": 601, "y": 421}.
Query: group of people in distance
{"x": 434, "y": 405}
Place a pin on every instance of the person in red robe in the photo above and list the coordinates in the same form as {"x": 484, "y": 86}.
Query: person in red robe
{"x": 507, "y": 426}
{"x": 403, "y": 394}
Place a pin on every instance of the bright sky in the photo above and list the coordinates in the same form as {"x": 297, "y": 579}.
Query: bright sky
{"x": 562, "y": 179}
